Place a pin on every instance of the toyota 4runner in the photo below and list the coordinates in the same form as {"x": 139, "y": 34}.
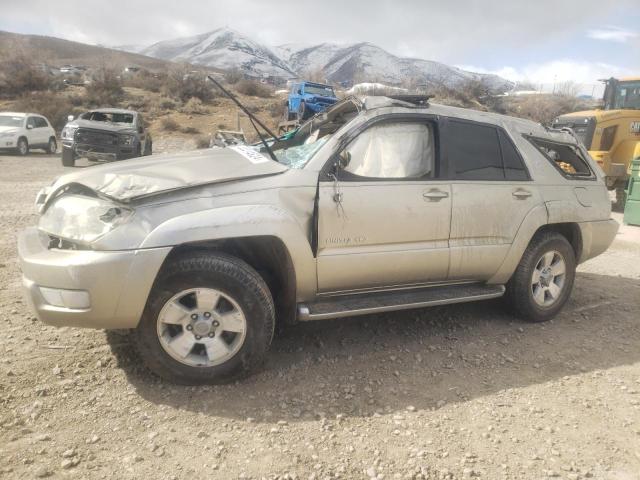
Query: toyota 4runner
{"x": 372, "y": 206}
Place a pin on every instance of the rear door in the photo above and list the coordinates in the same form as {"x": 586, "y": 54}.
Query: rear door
{"x": 492, "y": 193}
{"x": 32, "y": 131}
{"x": 383, "y": 220}
{"x": 43, "y": 131}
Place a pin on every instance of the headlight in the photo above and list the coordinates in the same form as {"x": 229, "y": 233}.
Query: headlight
{"x": 126, "y": 139}
{"x": 82, "y": 219}
{"x": 68, "y": 132}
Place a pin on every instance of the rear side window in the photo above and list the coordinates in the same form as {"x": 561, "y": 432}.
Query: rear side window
{"x": 474, "y": 151}
{"x": 514, "y": 168}
{"x": 565, "y": 157}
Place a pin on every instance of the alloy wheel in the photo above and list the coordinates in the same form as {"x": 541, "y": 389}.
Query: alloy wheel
{"x": 548, "y": 278}
{"x": 201, "y": 327}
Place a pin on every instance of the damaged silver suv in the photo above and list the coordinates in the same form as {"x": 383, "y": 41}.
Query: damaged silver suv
{"x": 372, "y": 206}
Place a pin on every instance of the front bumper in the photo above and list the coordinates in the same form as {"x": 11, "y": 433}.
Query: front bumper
{"x": 597, "y": 237}
{"x": 8, "y": 143}
{"x": 117, "y": 283}
{"x": 101, "y": 152}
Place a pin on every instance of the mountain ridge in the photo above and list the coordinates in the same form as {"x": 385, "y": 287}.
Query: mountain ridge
{"x": 225, "y": 48}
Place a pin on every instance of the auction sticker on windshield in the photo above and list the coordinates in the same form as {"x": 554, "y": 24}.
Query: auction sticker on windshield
{"x": 250, "y": 154}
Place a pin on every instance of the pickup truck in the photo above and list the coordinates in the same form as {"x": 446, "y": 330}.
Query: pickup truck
{"x": 375, "y": 206}
{"x": 105, "y": 134}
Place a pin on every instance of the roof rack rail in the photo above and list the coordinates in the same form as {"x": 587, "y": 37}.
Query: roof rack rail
{"x": 414, "y": 99}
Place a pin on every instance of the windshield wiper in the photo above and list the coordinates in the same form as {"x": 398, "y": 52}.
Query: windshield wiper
{"x": 252, "y": 118}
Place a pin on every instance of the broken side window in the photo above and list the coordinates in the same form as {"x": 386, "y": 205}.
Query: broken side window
{"x": 565, "y": 157}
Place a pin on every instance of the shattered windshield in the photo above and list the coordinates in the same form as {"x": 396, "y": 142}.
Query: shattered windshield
{"x": 325, "y": 91}
{"x": 10, "y": 121}
{"x": 298, "y": 156}
{"x": 110, "y": 117}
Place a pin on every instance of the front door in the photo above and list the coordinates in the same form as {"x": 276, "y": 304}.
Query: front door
{"x": 384, "y": 218}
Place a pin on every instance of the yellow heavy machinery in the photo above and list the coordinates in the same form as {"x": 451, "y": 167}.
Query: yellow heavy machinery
{"x": 611, "y": 134}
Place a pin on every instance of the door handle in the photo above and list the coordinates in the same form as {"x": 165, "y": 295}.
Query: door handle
{"x": 435, "y": 195}
{"x": 521, "y": 194}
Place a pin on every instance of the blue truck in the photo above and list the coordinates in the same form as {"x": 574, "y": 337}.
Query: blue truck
{"x": 308, "y": 98}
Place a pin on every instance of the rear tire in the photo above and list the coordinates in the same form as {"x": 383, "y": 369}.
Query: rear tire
{"x": 22, "y": 148}
{"x": 190, "y": 282}
{"x": 544, "y": 278}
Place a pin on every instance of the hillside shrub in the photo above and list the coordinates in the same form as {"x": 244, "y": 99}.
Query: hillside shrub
{"x": 18, "y": 76}
{"x": 183, "y": 85}
{"x": 54, "y": 106}
{"x": 253, "y": 89}
{"x": 170, "y": 125}
{"x": 105, "y": 90}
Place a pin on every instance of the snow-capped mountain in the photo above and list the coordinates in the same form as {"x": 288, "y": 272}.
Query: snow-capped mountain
{"x": 360, "y": 62}
{"x": 222, "y": 48}
{"x": 363, "y": 62}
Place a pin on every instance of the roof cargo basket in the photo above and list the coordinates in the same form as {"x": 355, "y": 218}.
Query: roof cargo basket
{"x": 417, "y": 100}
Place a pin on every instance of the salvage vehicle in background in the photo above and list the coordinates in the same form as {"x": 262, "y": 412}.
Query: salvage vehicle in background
{"x": 21, "y": 132}
{"x": 612, "y": 135}
{"x": 373, "y": 206}
{"x": 308, "y": 98}
{"x": 105, "y": 134}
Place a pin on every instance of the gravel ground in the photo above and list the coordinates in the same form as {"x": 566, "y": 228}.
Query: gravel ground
{"x": 445, "y": 393}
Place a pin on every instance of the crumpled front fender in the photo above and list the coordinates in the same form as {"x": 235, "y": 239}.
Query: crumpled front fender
{"x": 243, "y": 221}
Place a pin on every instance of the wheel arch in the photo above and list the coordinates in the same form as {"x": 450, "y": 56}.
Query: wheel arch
{"x": 267, "y": 254}
{"x": 570, "y": 230}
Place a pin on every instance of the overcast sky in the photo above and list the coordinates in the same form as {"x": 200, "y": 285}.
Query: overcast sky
{"x": 542, "y": 41}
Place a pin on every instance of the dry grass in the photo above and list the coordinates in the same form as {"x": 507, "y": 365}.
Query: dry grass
{"x": 202, "y": 142}
{"x": 253, "y": 89}
{"x": 169, "y": 125}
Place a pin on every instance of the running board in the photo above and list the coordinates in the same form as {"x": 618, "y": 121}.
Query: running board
{"x": 366, "y": 303}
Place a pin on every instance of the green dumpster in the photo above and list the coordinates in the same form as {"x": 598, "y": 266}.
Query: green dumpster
{"x": 632, "y": 207}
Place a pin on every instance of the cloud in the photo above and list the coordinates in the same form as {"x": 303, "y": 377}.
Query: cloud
{"x": 612, "y": 34}
{"x": 431, "y": 30}
{"x": 547, "y": 75}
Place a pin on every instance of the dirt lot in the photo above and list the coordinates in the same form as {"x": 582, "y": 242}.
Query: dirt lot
{"x": 446, "y": 393}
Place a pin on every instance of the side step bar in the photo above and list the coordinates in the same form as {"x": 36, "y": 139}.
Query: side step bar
{"x": 366, "y": 303}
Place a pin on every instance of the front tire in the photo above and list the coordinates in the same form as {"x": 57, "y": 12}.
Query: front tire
{"x": 68, "y": 157}
{"x": 52, "y": 146}
{"x": 544, "y": 278}
{"x": 302, "y": 112}
{"x": 22, "y": 148}
{"x": 209, "y": 319}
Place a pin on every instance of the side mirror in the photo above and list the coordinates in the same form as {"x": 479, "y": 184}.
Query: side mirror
{"x": 299, "y": 92}
{"x": 29, "y": 126}
{"x": 140, "y": 129}
{"x": 70, "y": 118}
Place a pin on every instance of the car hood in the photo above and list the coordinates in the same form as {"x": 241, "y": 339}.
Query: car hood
{"x": 131, "y": 179}
{"x": 9, "y": 129}
{"x": 106, "y": 126}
